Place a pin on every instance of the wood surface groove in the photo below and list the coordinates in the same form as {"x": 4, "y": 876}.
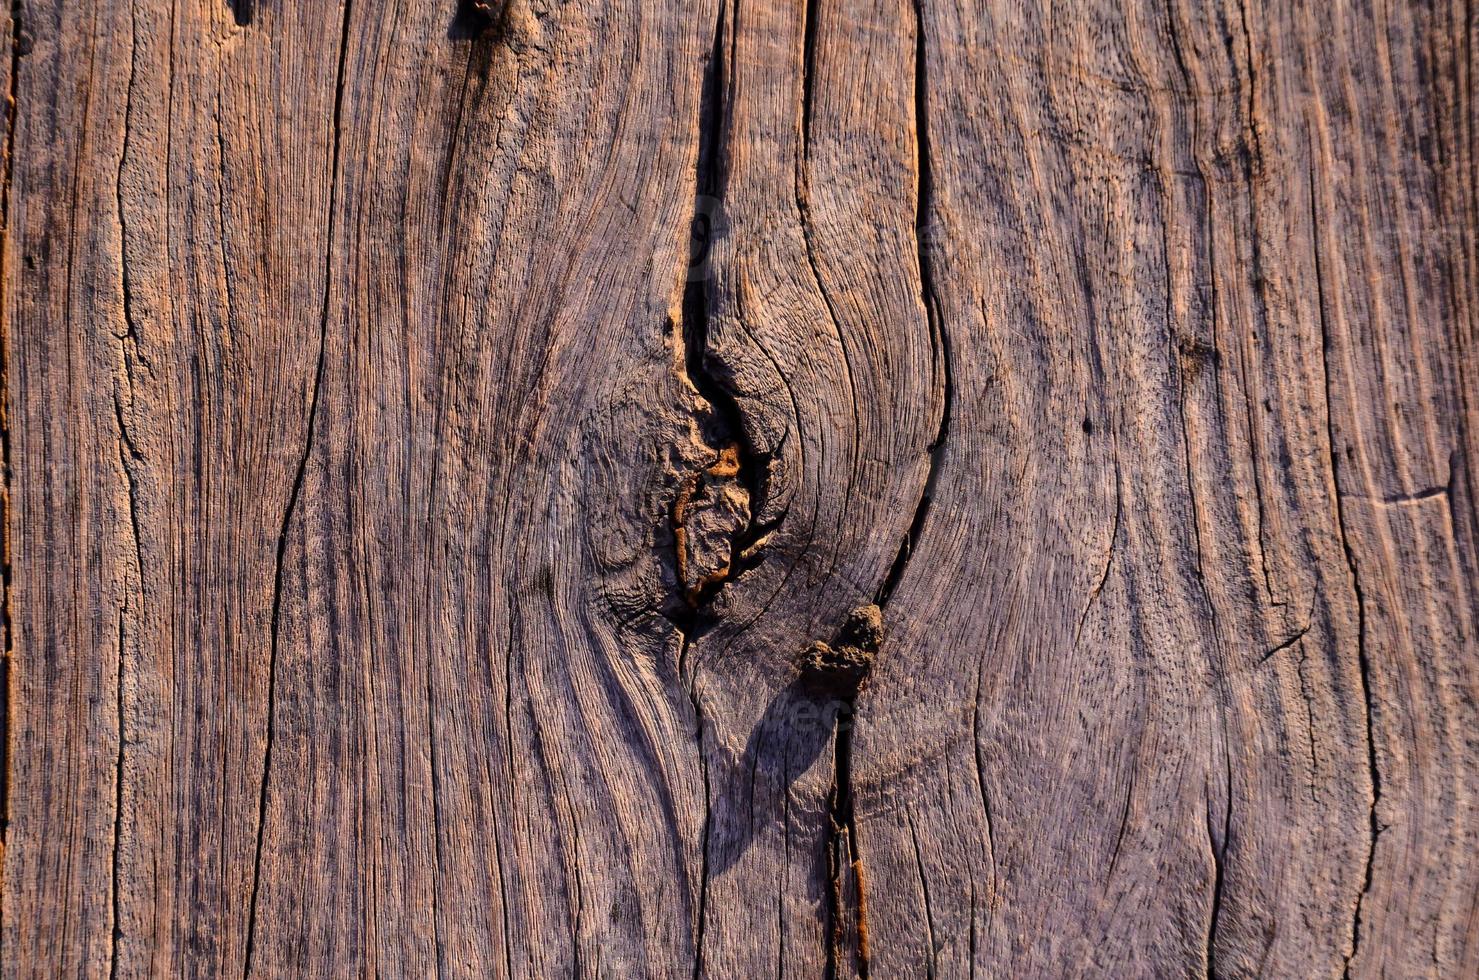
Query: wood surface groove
{"x": 850, "y": 488}
{"x": 13, "y": 53}
{"x": 297, "y": 484}
{"x": 1371, "y": 763}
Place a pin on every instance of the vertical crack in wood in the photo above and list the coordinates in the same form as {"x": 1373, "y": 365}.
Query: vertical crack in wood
{"x": 703, "y": 888}
{"x": 980, "y": 759}
{"x": 1218, "y": 849}
{"x": 242, "y": 11}
{"x": 1188, "y": 355}
{"x": 117, "y": 931}
{"x": 295, "y": 492}
{"x": 128, "y": 455}
{"x": 691, "y": 621}
{"x": 802, "y": 191}
{"x": 721, "y": 420}
{"x": 939, "y": 335}
{"x": 843, "y": 853}
{"x": 7, "y": 621}
{"x": 844, "y": 847}
{"x": 1362, "y": 659}
{"x": 839, "y": 673}
{"x": 1114, "y": 533}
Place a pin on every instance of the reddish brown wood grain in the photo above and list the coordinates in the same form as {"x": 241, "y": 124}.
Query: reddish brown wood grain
{"x": 455, "y": 453}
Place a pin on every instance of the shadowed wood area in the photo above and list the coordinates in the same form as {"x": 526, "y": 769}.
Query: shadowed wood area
{"x": 847, "y": 488}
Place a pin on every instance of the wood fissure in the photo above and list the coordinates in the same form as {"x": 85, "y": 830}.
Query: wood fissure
{"x": 1362, "y": 661}
{"x": 924, "y": 225}
{"x": 295, "y": 491}
{"x": 129, "y": 459}
{"x": 721, "y": 422}
{"x": 844, "y": 855}
{"x": 703, "y": 880}
{"x": 837, "y": 673}
{"x": 457, "y": 461}
{"x": 474, "y": 18}
{"x": 693, "y": 336}
{"x": 1217, "y": 844}
{"x": 7, "y": 649}
{"x": 117, "y": 930}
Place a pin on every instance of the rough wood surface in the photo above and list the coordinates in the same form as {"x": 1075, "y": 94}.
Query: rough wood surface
{"x": 610, "y": 488}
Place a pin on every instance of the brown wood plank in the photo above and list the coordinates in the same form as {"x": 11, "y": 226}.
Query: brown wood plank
{"x": 455, "y": 454}
{"x": 817, "y": 338}
{"x": 1181, "y": 672}
{"x": 164, "y": 281}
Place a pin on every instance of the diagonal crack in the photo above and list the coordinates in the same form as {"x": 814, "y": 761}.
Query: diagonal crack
{"x": 296, "y": 491}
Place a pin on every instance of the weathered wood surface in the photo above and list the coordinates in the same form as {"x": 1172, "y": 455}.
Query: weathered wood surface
{"x": 435, "y": 433}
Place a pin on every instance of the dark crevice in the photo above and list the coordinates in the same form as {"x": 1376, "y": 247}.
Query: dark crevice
{"x": 1426, "y": 493}
{"x": 973, "y": 943}
{"x": 1286, "y": 644}
{"x": 474, "y": 18}
{"x": 1124, "y": 828}
{"x": 128, "y": 451}
{"x": 802, "y": 193}
{"x": 1363, "y": 661}
{"x": 242, "y": 11}
{"x": 18, "y": 48}
{"x": 722, "y": 423}
{"x": 843, "y": 852}
{"x": 131, "y": 329}
{"x": 1114, "y": 533}
{"x": 808, "y": 73}
{"x": 128, "y": 454}
{"x": 939, "y": 336}
{"x": 980, "y": 758}
{"x": 844, "y": 849}
{"x": 296, "y": 491}
{"x": 117, "y": 867}
{"x": 839, "y": 839}
{"x": 722, "y": 426}
{"x": 837, "y": 672}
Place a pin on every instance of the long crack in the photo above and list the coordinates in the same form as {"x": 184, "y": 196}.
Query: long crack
{"x": 293, "y": 495}
{"x": 689, "y": 616}
{"x": 1363, "y": 660}
{"x": 18, "y": 49}
{"x": 843, "y": 850}
{"x": 939, "y": 336}
{"x": 721, "y": 421}
{"x": 722, "y": 427}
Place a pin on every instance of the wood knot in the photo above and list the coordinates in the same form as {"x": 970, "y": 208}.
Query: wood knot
{"x": 843, "y": 669}
{"x": 710, "y": 511}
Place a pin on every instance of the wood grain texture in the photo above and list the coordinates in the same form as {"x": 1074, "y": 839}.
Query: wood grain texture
{"x": 437, "y": 437}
